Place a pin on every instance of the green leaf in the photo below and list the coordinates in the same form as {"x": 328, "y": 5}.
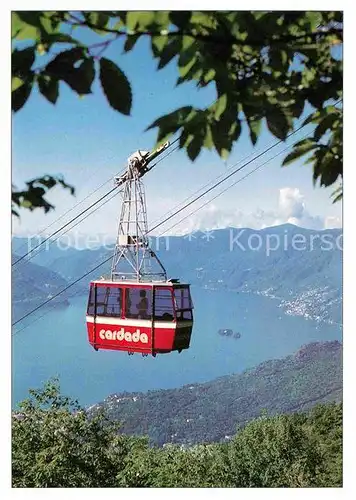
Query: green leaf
{"x": 158, "y": 43}
{"x": 170, "y": 51}
{"x": 162, "y": 19}
{"x": 304, "y": 143}
{"x": 314, "y": 19}
{"x": 81, "y": 79}
{"x": 73, "y": 67}
{"x": 99, "y": 20}
{"x": 205, "y": 19}
{"x": 187, "y": 42}
{"x": 16, "y": 25}
{"x": 184, "y": 70}
{"x": 187, "y": 58}
{"x": 255, "y": 129}
{"x": 325, "y": 124}
{"x": 178, "y": 116}
{"x": 116, "y": 87}
{"x": 185, "y": 138}
{"x": 27, "y": 32}
{"x": 139, "y": 19}
{"x": 87, "y": 72}
{"x": 16, "y": 82}
{"x": 169, "y": 124}
{"x": 130, "y": 42}
{"x": 278, "y": 59}
{"x": 337, "y": 194}
{"x": 30, "y": 17}
{"x": 194, "y": 147}
{"x": 312, "y": 118}
{"x": 220, "y": 106}
{"x": 26, "y": 204}
{"x": 224, "y": 153}
{"x": 222, "y": 141}
{"x": 22, "y": 61}
{"x": 235, "y": 130}
{"x": 35, "y": 25}
{"x": 49, "y": 88}
{"x": 55, "y": 18}
{"x": 21, "y": 94}
{"x": 47, "y": 25}
{"x": 195, "y": 72}
{"x": 278, "y": 123}
{"x": 208, "y": 140}
{"x": 64, "y": 62}
{"x": 298, "y": 152}
{"x": 209, "y": 75}
{"x": 180, "y": 18}
{"x": 331, "y": 170}
{"x": 297, "y": 107}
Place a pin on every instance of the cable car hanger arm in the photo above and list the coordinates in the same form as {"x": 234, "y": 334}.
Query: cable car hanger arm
{"x": 138, "y": 164}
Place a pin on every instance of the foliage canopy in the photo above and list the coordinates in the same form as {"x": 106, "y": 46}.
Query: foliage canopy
{"x": 56, "y": 444}
{"x": 265, "y": 67}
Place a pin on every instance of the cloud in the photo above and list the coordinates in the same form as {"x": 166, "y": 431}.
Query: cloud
{"x": 291, "y": 203}
{"x": 291, "y": 208}
{"x": 332, "y": 222}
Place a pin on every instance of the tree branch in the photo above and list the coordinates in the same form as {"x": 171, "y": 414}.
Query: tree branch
{"x": 214, "y": 39}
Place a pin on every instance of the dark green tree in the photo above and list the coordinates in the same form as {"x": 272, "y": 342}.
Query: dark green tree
{"x": 56, "y": 444}
{"x": 326, "y": 424}
{"x": 264, "y": 66}
{"x": 274, "y": 452}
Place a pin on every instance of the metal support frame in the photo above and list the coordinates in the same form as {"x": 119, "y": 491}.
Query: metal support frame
{"x": 133, "y": 259}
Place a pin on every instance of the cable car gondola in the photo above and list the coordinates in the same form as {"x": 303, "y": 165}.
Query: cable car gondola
{"x": 138, "y": 309}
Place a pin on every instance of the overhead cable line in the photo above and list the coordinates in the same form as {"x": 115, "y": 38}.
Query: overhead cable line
{"x": 85, "y": 210}
{"x": 227, "y": 188}
{"x": 60, "y": 292}
{"x": 65, "y": 225}
{"x": 71, "y": 227}
{"x": 162, "y": 222}
{"x": 71, "y": 209}
{"x": 226, "y": 177}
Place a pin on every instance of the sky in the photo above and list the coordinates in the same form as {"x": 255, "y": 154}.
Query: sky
{"x": 88, "y": 143}
{"x": 43, "y": 141}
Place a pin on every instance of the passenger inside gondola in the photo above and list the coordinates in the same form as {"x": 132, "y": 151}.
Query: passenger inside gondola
{"x": 138, "y": 303}
{"x": 142, "y": 306}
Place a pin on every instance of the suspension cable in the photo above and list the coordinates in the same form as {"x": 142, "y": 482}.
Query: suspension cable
{"x": 226, "y": 177}
{"x": 227, "y": 188}
{"x": 72, "y": 208}
{"x": 85, "y": 210}
{"x": 162, "y": 222}
{"x": 65, "y": 225}
{"x": 71, "y": 227}
{"x": 216, "y": 178}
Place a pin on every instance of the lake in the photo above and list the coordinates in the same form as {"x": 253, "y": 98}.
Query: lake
{"x": 56, "y": 345}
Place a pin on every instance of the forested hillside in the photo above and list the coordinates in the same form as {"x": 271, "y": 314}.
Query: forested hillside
{"x": 211, "y": 412}
{"x": 33, "y": 284}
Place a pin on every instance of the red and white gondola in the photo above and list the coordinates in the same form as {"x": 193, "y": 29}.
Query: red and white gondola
{"x": 138, "y": 309}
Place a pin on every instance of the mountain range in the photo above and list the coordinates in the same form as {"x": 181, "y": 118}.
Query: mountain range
{"x": 306, "y": 278}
